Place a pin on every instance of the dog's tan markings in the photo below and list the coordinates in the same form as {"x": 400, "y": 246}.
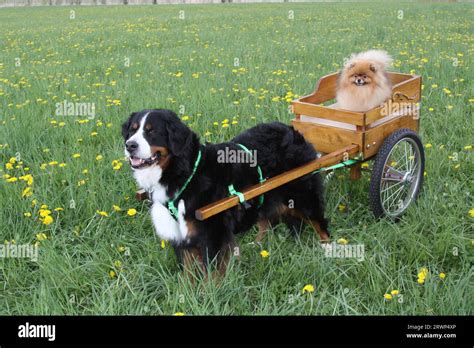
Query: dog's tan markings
{"x": 225, "y": 255}
{"x": 135, "y": 125}
{"x": 193, "y": 262}
{"x": 165, "y": 158}
{"x": 284, "y": 210}
{"x": 263, "y": 227}
{"x": 323, "y": 235}
{"x": 148, "y": 126}
{"x": 191, "y": 227}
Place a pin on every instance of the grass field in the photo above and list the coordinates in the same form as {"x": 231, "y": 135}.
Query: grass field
{"x": 227, "y": 68}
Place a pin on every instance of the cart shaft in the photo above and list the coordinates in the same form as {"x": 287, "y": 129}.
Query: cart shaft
{"x": 279, "y": 180}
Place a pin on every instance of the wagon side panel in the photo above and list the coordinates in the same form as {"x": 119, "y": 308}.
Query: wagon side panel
{"x": 328, "y": 139}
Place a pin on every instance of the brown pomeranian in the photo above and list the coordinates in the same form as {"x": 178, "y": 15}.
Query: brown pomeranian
{"x": 363, "y": 83}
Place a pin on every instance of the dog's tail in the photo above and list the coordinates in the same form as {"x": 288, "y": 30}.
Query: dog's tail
{"x": 382, "y": 58}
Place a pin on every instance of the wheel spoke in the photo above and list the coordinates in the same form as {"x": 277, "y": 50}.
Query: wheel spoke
{"x": 388, "y": 199}
{"x": 396, "y": 171}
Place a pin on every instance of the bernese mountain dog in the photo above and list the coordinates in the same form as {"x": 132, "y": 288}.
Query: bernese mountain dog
{"x": 170, "y": 163}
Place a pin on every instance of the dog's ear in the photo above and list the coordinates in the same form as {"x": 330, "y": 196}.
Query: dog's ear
{"x": 179, "y": 136}
{"x": 126, "y": 125}
{"x": 373, "y": 68}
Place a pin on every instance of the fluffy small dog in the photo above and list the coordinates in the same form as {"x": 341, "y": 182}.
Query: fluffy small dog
{"x": 363, "y": 83}
{"x": 169, "y": 162}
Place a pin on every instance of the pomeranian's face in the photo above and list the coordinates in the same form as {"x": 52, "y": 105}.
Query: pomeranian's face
{"x": 360, "y": 74}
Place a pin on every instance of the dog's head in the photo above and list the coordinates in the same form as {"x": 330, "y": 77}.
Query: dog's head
{"x": 152, "y": 137}
{"x": 361, "y": 73}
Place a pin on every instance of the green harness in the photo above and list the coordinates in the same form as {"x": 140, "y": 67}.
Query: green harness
{"x": 234, "y": 192}
{"x": 171, "y": 207}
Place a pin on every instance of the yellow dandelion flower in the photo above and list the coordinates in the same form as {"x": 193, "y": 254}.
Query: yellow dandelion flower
{"x": 44, "y": 212}
{"x": 468, "y": 147}
{"x": 308, "y": 288}
{"x": 471, "y": 212}
{"x": 41, "y": 236}
{"x": 178, "y": 314}
{"x": 342, "y": 241}
{"x": 27, "y": 214}
{"x": 99, "y": 157}
{"x": 388, "y": 297}
{"x": 264, "y": 254}
{"x": 394, "y": 292}
{"x": 116, "y": 208}
{"x": 76, "y": 155}
{"x": 26, "y": 192}
{"x": 131, "y": 212}
{"x": 442, "y": 275}
{"x": 112, "y": 274}
{"x": 48, "y": 220}
{"x": 163, "y": 244}
{"x": 118, "y": 264}
{"x": 428, "y": 146}
{"x": 102, "y": 213}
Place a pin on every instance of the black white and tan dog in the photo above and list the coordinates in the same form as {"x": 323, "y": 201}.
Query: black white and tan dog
{"x": 169, "y": 162}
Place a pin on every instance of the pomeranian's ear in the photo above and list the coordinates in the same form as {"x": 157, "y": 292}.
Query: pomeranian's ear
{"x": 373, "y": 68}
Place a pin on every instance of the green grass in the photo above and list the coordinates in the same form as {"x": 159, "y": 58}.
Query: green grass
{"x": 67, "y": 59}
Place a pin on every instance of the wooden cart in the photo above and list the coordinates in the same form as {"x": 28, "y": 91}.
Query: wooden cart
{"x": 387, "y": 134}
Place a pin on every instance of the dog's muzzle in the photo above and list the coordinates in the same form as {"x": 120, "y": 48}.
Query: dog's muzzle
{"x": 138, "y": 163}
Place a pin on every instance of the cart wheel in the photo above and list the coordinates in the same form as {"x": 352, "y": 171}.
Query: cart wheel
{"x": 397, "y": 174}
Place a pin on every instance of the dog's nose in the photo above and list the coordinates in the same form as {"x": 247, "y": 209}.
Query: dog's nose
{"x": 131, "y": 146}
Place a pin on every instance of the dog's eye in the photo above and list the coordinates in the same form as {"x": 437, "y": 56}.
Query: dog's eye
{"x": 365, "y": 76}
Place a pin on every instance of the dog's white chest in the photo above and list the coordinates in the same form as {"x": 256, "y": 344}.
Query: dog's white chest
{"x": 166, "y": 226}
{"x": 148, "y": 178}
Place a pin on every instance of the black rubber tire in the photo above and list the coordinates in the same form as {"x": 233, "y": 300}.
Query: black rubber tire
{"x": 379, "y": 162}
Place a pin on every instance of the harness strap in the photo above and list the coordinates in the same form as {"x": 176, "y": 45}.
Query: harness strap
{"x": 171, "y": 206}
{"x": 261, "y": 179}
